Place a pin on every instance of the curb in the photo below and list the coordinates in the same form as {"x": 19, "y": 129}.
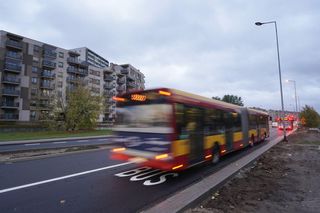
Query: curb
{"x": 188, "y": 197}
{"x": 52, "y": 140}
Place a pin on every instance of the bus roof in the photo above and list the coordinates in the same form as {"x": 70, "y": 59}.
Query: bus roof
{"x": 191, "y": 98}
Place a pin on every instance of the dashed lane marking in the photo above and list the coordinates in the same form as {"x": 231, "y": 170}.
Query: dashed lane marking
{"x": 61, "y": 178}
{"x": 32, "y": 144}
{"x": 83, "y": 141}
{"x": 59, "y": 142}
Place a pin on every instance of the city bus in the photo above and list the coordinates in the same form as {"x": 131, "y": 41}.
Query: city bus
{"x": 170, "y": 129}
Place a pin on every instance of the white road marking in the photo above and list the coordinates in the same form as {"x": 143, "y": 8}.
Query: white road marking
{"x": 61, "y": 178}
{"x": 102, "y": 139}
{"x": 59, "y": 142}
{"x": 83, "y": 141}
{"x": 32, "y": 144}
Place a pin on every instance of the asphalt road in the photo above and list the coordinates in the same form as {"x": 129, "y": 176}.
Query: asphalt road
{"x": 91, "y": 182}
{"x": 58, "y": 143}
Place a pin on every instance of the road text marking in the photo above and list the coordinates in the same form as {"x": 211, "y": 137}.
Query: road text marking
{"x": 61, "y": 178}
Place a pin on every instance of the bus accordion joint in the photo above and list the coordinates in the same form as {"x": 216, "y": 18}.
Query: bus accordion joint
{"x": 161, "y": 92}
{"x": 208, "y": 156}
{"x": 177, "y": 167}
{"x": 119, "y": 149}
{"x": 118, "y": 99}
{"x": 162, "y": 156}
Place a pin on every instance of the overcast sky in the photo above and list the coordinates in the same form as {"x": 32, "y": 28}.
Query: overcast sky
{"x": 209, "y": 47}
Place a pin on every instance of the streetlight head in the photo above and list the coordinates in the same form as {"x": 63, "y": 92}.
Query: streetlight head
{"x": 258, "y": 23}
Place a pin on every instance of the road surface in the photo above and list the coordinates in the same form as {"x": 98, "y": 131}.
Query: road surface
{"x": 91, "y": 182}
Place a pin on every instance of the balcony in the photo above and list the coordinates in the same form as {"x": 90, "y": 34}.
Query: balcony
{"x": 48, "y": 75}
{"x": 78, "y": 71}
{"x": 46, "y": 86}
{"x": 44, "y": 106}
{"x": 11, "y": 80}
{"x": 48, "y": 64}
{"x": 109, "y": 94}
{"x": 9, "y": 105}
{"x": 9, "y": 116}
{"x": 131, "y": 84}
{"x": 121, "y": 80}
{"x": 76, "y": 61}
{"x": 49, "y": 54}
{"x": 124, "y": 71}
{"x": 108, "y": 86}
{"x": 13, "y": 55}
{"x": 108, "y": 78}
{"x": 130, "y": 78}
{"x": 16, "y": 68}
{"x": 14, "y": 44}
{"x": 120, "y": 88}
{"x": 45, "y": 96}
{"x": 10, "y": 92}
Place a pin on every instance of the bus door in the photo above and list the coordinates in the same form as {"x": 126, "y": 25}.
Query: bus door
{"x": 195, "y": 130}
{"x": 228, "y": 130}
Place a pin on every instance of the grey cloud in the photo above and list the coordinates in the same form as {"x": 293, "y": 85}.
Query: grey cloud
{"x": 206, "y": 47}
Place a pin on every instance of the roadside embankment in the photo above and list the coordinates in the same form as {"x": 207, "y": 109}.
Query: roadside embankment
{"x": 284, "y": 179}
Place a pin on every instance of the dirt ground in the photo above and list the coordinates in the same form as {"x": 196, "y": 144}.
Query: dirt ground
{"x": 285, "y": 179}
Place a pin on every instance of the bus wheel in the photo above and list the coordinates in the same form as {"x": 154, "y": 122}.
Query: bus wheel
{"x": 216, "y": 154}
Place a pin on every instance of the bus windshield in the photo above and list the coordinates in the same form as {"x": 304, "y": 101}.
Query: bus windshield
{"x": 144, "y": 116}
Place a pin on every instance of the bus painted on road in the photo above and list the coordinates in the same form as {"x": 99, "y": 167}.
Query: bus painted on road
{"x": 173, "y": 130}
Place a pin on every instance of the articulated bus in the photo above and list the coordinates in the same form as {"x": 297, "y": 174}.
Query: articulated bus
{"x": 170, "y": 129}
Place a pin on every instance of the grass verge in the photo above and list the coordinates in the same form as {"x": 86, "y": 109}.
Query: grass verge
{"x": 16, "y": 136}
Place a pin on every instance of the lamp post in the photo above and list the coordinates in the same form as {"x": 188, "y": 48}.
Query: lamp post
{"x": 295, "y": 92}
{"x": 281, "y": 93}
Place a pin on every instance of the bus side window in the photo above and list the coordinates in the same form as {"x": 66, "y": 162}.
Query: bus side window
{"x": 236, "y": 122}
{"x": 214, "y": 121}
{"x": 180, "y": 122}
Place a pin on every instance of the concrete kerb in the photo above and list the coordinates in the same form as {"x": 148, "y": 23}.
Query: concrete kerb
{"x": 52, "y": 140}
{"x": 188, "y": 197}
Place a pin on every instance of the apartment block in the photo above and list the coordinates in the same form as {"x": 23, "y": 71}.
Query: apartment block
{"x": 33, "y": 72}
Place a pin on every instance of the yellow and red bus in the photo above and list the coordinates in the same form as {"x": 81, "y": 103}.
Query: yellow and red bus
{"x": 173, "y": 130}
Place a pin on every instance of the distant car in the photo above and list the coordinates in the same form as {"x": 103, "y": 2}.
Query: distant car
{"x": 274, "y": 124}
{"x": 287, "y": 125}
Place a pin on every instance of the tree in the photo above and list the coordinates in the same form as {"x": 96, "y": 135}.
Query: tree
{"x": 233, "y": 99}
{"x": 310, "y": 117}
{"x": 80, "y": 111}
{"x": 216, "y": 98}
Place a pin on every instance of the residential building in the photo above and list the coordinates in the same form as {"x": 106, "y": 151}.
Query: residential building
{"x": 91, "y": 57}
{"x": 32, "y": 72}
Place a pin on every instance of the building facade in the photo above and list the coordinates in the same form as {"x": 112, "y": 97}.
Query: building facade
{"x": 33, "y": 72}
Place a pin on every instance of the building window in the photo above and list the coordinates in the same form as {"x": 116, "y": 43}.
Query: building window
{"x": 59, "y": 93}
{"x": 35, "y": 63}
{"x": 33, "y": 103}
{"x": 35, "y": 69}
{"x": 61, "y": 54}
{"x": 59, "y": 83}
{"x": 33, "y": 115}
{"x": 34, "y": 80}
{"x": 60, "y": 75}
{"x": 60, "y": 64}
{"x": 34, "y": 91}
{"x": 36, "y": 49}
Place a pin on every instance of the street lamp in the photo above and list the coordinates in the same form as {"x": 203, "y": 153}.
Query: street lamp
{"x": 295, "y": 92}
{"x": 281, "y": 93}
